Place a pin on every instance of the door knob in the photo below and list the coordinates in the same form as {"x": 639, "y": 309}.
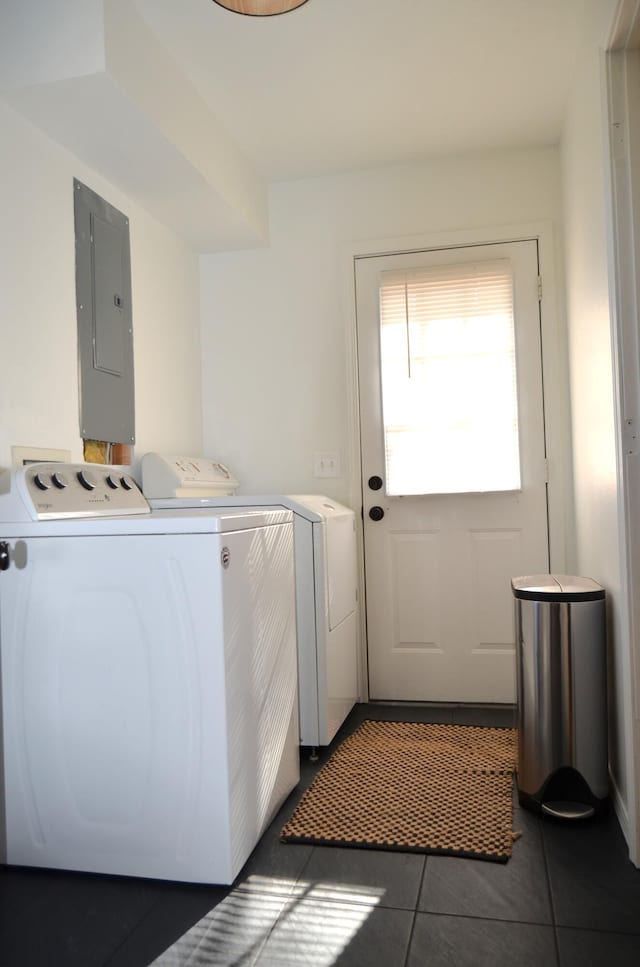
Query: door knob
{"x": 375, "y": 483}
{"x": 376, "y": 513}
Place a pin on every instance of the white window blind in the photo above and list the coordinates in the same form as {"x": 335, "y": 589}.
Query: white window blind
{"x": 448, "y": 370}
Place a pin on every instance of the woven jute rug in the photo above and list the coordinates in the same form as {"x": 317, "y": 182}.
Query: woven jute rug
{"x": 410, "y": 786}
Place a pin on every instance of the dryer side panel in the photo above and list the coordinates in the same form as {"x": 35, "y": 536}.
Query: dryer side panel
{"x": 307, "y": 631}
{"x": 342, "y": 580}
{"x": 339, "y": 638}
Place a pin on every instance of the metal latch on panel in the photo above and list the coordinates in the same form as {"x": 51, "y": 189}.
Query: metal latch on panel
{"x": 630, "y": 436}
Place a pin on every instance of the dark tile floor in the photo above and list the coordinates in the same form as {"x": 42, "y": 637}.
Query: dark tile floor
{"x": 568, "y": 896}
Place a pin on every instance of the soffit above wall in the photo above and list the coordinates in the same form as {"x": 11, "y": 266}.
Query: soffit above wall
{"x": 92, "y": 76}
{"x": 624, "y": 33}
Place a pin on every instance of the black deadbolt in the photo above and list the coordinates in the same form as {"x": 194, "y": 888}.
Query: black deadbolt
{"x": 376, "y": 513}
{"x": 375, "y": 483}
{"x": 4, "y": 556}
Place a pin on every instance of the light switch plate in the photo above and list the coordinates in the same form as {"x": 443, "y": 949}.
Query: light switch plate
{"x": 326, "y": 463}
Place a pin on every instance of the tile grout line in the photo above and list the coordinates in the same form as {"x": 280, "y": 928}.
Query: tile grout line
{"x": 292, "y": 897}
{"x": 415, "y": 912}
{"x": 114, "y": 952}
{"x": 550, "y": 890}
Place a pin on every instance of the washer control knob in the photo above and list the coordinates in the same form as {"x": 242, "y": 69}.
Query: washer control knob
{"x": 40, "y": 482}
{"x": 112, "y": 481}
{"x": 59, "y": 480}
{"x": 126, "y": 483}
{"x": 87, "y": 479}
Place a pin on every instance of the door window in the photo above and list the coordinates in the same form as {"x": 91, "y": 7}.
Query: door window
{"x": 448, "y": 375}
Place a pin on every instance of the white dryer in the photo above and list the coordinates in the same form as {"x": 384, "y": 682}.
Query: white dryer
{"x": 327, "y": 611}
{"x": 149, "y": 693}
{"x": 326, "y": 580}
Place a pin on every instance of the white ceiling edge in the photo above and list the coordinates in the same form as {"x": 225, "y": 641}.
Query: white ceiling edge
{"x": 118, "y": 101}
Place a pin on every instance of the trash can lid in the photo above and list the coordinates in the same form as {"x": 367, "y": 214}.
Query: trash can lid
{"x": 556, "y": 587}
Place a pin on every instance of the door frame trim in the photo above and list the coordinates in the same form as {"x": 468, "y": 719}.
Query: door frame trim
{"x": 554, "y": 367}
{"x": 620, "y": 70}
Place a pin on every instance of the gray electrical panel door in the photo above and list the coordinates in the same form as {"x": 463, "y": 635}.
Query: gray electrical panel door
{"x": 105, "y": 331}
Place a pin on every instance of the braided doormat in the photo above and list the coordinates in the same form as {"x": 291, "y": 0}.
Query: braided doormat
{"x": 416, "y": 787}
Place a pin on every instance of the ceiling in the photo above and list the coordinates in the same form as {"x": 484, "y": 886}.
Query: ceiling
{"x": 345, "y": 84}
{"x": 193, "y": 110}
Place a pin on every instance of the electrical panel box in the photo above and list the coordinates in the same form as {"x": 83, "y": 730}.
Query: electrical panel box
{"x": 105, "y": 328}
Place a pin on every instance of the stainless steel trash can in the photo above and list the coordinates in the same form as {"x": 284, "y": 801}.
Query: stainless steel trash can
{"x": 561, "y": 686}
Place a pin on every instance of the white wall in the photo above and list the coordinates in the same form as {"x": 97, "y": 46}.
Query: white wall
{"x": 276, "y": 377}
{"x": 38, "y": 345}
{"x": 599, "y": 537}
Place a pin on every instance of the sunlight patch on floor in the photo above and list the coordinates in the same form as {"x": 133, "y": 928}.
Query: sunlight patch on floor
{"x": 288, "y": 922}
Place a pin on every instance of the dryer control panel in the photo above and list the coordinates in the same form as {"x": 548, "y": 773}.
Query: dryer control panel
{"x": 51, "y": 491}
{"x": 164, "y": 476}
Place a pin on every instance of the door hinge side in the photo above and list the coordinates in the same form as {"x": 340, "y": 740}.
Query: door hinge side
{"x": 539, "y": 288}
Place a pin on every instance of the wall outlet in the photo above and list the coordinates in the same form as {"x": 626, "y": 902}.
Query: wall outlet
{"x": 326, "y": 463}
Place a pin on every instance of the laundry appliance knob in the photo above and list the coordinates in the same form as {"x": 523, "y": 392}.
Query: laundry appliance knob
{"x": 87, "y": 479}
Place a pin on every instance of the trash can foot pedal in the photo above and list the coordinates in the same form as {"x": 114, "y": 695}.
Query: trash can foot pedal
{"x": 560, "y": 809}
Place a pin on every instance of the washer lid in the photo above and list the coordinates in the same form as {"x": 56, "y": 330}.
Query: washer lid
{"x": 556, "y": 587}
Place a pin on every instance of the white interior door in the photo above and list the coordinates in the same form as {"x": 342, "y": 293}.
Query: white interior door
{"x": 452, "y": 425}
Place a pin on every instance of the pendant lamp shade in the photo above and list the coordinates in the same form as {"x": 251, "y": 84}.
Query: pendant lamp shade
{"x": 260, "y": 8}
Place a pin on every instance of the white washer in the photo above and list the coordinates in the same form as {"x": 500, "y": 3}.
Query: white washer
{"x": 149, "y": 693}
{"x": 326, "y": 580}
